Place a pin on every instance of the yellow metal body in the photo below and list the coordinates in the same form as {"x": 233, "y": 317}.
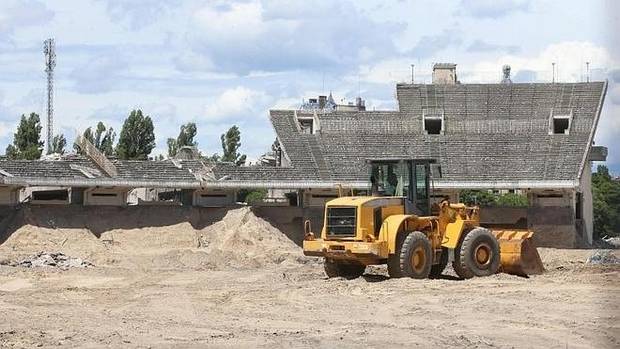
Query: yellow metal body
{"x": 518, "y": 253}
{"x": 372, "y": 245}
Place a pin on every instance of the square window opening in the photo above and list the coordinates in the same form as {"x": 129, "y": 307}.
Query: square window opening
{"x": 433, "y": 126}
{"x": 560, "y": 125}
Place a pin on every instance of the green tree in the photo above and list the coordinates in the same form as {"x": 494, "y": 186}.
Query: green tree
{"x": 185, "y": 138}
{"x": 58, "y": 144}
{"x": 27, "y": 142}
{"x": 606, "y": 202}
{"x": 173, "y": 147}
{"x": 137, "y": 138}
{"x": 256, "y": 196}
{"x": 251, "y": 196}
{"x": 512, "y": 199}
{"x": 477, "y": 197}
{"x": 231, "y": 142}
{"x": 102, "y": 139}
{"x": 213, "y": 158}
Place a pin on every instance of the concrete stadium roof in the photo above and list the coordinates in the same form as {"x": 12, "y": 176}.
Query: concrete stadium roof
{"x": 494, "y": 136}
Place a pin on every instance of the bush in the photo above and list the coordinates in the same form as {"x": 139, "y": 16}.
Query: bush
{"x": 477, "y": 197}
{"x": 253, "y": 196}
{"x": 486, "y": 198}
{"x": 512, "y": 199}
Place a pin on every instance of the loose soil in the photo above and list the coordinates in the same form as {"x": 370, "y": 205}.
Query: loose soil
{"x": 230, "y": 279}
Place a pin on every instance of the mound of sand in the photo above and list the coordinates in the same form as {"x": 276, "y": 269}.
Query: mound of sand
{"x": 152, "y": 237}
{"x": 241, "y": 239}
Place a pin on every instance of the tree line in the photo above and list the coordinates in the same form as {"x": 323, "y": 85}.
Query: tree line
{"x": 135, "y": 141}
{"x": 606, "y": 201}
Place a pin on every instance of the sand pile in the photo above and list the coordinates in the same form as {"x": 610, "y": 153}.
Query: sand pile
{"x": 152, "y": 237}
{"x": 241, "y": 239}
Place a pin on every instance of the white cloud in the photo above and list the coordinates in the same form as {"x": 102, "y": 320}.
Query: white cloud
{"x": 570, "y": 58}
{"x": 236, "y": 22}
{"x": 388, "y": 71}
{"x": 286, "y": 103}
{"x": 487, "y": 47}
{"x": 608, "y": 133}
{"x": 25, "y": 13}
{"x": 249, "y": 36}
{"x": 100, "y": 74}
{"x": 5, "y": 129}
{"x": 494, "y": 8}
{"x": 238, "y": 102}
{"x": 137, "y": 14}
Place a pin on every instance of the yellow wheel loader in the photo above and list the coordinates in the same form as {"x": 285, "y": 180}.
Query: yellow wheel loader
{"x": 395, "y": 226}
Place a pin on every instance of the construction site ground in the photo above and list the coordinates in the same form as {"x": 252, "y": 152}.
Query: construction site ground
{"x": 192, "y": 280}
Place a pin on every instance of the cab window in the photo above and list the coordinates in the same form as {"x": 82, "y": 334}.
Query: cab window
{"x": 390, "y": 179}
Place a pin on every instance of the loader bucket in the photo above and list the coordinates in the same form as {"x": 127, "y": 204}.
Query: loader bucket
{"x": 518, "y": 253}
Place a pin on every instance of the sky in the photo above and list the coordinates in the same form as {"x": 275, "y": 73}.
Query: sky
{"x": 219, "y": 63}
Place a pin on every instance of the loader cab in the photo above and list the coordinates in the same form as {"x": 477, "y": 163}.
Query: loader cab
{"x": 407, "y": 178}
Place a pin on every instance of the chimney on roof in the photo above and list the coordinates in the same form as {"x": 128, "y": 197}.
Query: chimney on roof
{"x": 360, "y": 104}
{"x": 444, "y": 74}
{"x": 506, "y": 71}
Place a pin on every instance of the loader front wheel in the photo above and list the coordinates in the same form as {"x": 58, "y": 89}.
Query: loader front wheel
{"x": 393, "y": 262}
{"x": 393, "y": 266}
{"x": 477, "y": 255}
{"x": 349, "y": 271}
{"x": 416, "y": 256}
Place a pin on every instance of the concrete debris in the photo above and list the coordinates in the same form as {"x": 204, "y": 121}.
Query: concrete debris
{"x": 612, "y": 241}
{"x": 52, "y": 259}
{"x": 603, "y": 257}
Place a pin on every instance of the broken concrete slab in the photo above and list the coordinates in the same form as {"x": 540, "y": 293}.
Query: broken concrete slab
{"x": 52, "y": 259}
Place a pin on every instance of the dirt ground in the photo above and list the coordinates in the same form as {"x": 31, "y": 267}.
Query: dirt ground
{"x": 239, "y": 282}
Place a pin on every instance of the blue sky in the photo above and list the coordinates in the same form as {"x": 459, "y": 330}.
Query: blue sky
{"x": 219, "y": 63}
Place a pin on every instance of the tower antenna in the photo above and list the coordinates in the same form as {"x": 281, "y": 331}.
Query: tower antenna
{"x": 50, "y": 63}
{"x": 553, "y": 76}
{"x": 587, "y": 71}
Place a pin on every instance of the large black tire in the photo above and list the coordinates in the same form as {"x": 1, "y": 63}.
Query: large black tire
{"x": 437, "y": 269}
{"x": 393, "y": 262}
{"x": 393, "y": 266}
{"x": 349, "y": 271}
{"x": 477, "y": 254}
{"x": 416, "y": 256}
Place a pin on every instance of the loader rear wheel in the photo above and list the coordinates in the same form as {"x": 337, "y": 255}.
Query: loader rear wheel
{"x": 477, "y": 254}
{"x": 437, "y": 269}
{"x": 349, "y": 271}
{"x": 416, "y": 256}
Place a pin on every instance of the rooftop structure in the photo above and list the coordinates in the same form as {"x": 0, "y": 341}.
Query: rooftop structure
{"x": 327, "y": 104}
{"x": 444, "y": 73}
{"x": 484, "y": 135}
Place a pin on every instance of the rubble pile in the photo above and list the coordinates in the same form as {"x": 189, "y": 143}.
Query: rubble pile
{"x": 603, "y": 257}
{"x": 52, "y": 259}
{"x": 614, "y": 242}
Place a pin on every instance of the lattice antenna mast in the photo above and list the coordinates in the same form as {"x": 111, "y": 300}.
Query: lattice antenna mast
{"x": 50, "y": 63}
